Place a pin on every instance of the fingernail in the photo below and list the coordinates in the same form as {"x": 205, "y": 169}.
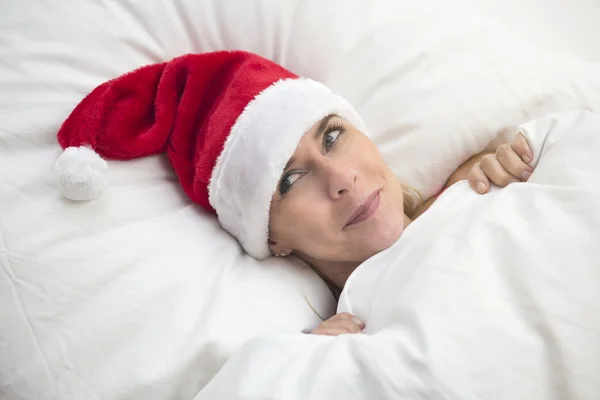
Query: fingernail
{"x": 525, "y": 175}
{"x": 480, "y": 187}
{"x": 525, "y": 159}
{"x": 357, "y": 321}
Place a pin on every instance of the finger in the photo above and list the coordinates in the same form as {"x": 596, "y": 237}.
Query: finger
{"x": 335, "y": 323}
{"x": 522, "y": 148}
{"x": 349, "y": 317}
{"x": 345, "y": 325}
{"x": 512, "y": 163}
{"x": 477, "y": 179}
{"x": 358, "y": 322}
{"x": 336, "y": 332}
{"x": 326, "y": 331}
{"x": 343, "y": 315}
{"x": 492, "y": 168}
{"x": 351, "y": 327}
{"x": 338, "y": 328}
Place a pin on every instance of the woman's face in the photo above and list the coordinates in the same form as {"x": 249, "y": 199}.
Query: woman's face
{"x": 337, "y": 201}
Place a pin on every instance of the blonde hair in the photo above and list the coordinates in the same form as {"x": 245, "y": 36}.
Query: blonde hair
{"x": 412, "y": 198}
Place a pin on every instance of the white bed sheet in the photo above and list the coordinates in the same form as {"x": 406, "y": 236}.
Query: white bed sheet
{"x": 140, "y": 294}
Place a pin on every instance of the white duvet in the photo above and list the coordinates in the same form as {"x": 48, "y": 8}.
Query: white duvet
{"x": 483, "y": 297}
{"x": 141, "y": 295}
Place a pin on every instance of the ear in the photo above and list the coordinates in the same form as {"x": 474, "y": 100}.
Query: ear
{"x": 278, "y": 250}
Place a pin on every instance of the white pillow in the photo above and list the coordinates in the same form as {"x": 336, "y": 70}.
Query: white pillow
{"x": 140, "y": 294}
{"x": 434, "y": 82}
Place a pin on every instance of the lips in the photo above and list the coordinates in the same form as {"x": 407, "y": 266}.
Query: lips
{"x": 365, "y": 210}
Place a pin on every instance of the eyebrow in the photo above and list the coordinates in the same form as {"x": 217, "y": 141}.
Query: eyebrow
{"x": 318, "y": 132}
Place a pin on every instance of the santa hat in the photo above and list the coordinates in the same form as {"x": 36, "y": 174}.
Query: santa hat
{"x": 228, "y": 122}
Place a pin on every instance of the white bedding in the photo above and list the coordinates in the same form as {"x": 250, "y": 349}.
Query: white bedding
{"x": 142, "y": 295}
{"x": 568, "y": 27}
{"x": 483, "y": 297}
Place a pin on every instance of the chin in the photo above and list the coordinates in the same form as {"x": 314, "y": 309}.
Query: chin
{"x": 382, "y": 231}
{"x": 391, "y": 238}
{"x": 383, "y": 236}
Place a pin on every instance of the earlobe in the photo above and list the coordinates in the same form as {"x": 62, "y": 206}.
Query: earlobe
{"x": 281, "y": 253}
{"x": 278, "y": 251}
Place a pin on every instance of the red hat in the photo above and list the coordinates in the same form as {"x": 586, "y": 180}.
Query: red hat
{"x": 228, "y": 122}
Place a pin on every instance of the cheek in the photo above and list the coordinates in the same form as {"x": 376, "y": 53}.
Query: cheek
{"x": 392, "y": 221}
{"x": 367, "y": 157}
{"x": 301, "y": 219}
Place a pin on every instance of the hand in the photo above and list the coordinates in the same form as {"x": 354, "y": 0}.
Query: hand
{"x": 507, "y": 165}
{"x": 339, "y": 324}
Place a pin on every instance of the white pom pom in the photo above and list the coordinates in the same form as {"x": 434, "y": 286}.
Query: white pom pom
{"x": 81, "y": 173}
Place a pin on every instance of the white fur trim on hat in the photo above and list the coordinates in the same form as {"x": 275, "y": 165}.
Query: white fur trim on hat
{"x": 262, "y": 140}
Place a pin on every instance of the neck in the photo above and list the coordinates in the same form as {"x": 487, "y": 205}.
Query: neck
{"x": 335, "y": 272}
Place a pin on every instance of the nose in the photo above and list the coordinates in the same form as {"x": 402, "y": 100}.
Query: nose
{"x": 340, "y": 179}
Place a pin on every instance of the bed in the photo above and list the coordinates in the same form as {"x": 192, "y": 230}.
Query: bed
{"x": 140, "y": 294}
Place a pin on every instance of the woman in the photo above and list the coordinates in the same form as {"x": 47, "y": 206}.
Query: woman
{"x": 338, "y": 203}
{"x": 285, "y": 164}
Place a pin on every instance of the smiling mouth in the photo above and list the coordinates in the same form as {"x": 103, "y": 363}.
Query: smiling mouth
{"x": 366, "y": 210}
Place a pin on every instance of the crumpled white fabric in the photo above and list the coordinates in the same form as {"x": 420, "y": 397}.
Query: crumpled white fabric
{"x": 139, "y": 294}
{"x": 483, "y": 297}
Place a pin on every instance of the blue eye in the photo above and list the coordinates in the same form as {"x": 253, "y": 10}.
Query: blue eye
{"x": 287, "y": 182}
{"x": 330, "y": 137}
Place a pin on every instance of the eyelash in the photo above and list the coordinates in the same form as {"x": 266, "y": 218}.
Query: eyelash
{"x": 334, "y": 127}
